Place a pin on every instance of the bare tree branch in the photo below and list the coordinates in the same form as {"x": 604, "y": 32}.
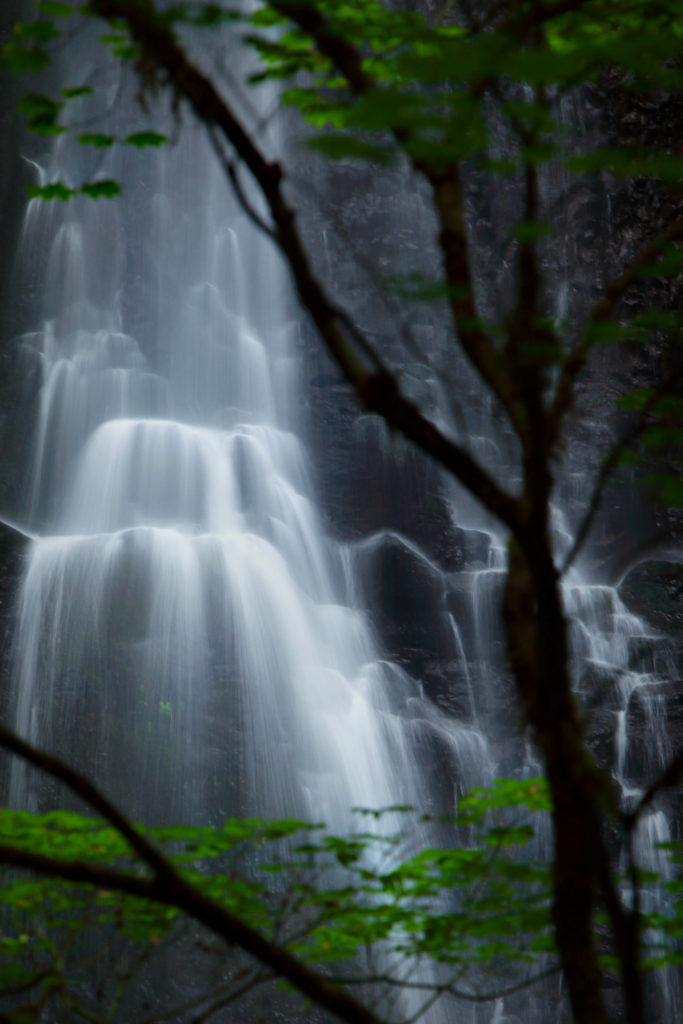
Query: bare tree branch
{"x": 376, "y": 387}
{"x": 168, "y": 887}
{"x": 609, "y": 465}
{"x": 447, "y": 191}
{"x": 669, "y": 778}
{"x": 602, "y": 312}
{"x": 172, "y": 891}
{"x": 449, "y": 988}
{"x": 258, "y": 978}
{"x": 84, "y": 788}
{"x": 231, "y": 174}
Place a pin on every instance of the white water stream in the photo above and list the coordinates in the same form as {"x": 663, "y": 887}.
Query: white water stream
{"x": 186, "y": 631}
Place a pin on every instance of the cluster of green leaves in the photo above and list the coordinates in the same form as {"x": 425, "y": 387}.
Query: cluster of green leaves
{"x": 475, "y": 906}
{"x": 427, "y": 80}
{"x": 28, "y": 51}
{"x": 472, "y": 905}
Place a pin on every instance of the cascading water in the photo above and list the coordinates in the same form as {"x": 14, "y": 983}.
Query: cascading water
{"x": 186, "y": 633}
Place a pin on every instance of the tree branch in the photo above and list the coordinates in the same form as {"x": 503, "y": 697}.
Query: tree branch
{"x": 168, "y": 887}
{"x": 668, "y": 779}
{"x": 231, "y": 174}
{"x": 172, "y": 891}
{"x": 606, "y": 470}
{"x": 446, "y": 185}
{"x": 374, "y": 385}
{"x": 83, "y": 788}
{"x": 602, "y": 312}
{"x": 449, "y": 988}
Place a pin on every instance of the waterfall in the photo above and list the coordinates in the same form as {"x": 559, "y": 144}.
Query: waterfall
{"x": 186, "y": 631}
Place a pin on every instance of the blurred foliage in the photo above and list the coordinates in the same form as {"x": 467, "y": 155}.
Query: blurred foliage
{"x": 465, "y": 916}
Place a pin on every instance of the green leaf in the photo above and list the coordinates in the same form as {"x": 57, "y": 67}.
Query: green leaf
{"x": 41, "y": 31}
{"x": 663, "y": 437}
{"x": 670, "y": 263}
{"x": 126, "y": 52}
{"x": 98, "y": 141}
{"x": 38, "y": 105}
{"x": 42, "y": 113}
{"x": 499, "y": 166}
{"x": 607, "y": 331}
{"x": 531, "y": 230}
{"x": 142, "y": 139}
{"x": 55, "y": 8}
{"x": 101, "y": 189}
{"x": 75, "y": 91}
{"x": 21, "y": 59}
{"x": 209, "y": 14}
{"x": 536, "y": 153}
{"x": 660, "y": 320}
{"x": 346, "y": 147}
{"x": 630, "y": 162}
{"x": 55, "y": 190}
{"x": 668, "y": 488}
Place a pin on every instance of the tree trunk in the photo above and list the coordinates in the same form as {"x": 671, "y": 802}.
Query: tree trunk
{"x": 537, "y": 649}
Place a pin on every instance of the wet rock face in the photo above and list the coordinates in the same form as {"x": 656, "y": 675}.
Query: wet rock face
{"x": 13, "y": 546}
{"x": 404, "y": 595}
{"x": 601, "y": 738}
{"x": 449, "y": 686}
{"x": 13, "y": 550}
{"x": 653, "y": 589}
{"x": 654, "y": 726}
{"x": 599, "y": 688}
{"x": 369, "y": 479}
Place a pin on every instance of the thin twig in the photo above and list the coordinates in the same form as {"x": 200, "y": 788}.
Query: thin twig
{"x": 609, "y": 465}
{"x": 602, "y": 311}
{"x": 87, "y": 791}
{"x": 668, "y": 779}
{"x": 232, "y": 176}
{"x": 231, "y": 997}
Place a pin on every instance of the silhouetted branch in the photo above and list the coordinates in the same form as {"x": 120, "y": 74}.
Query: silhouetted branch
{"x": 625, "y": 926}
{"x": 602, "y": 311}
{"x": 26, "y": 986}
{"x": 609, "y": 465}
{"x": 376, "y": 388}
{"x": 671, "y": 776}
{"x": 449, "y": 988}
{"x": 87, "y": 791}
{"x": 173, "y": 891}
{"x": 231, "y": 997}
{"x": 447, "y": 192}
{"x": 167, "y": 887}
{"x": 230, "y": 172}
